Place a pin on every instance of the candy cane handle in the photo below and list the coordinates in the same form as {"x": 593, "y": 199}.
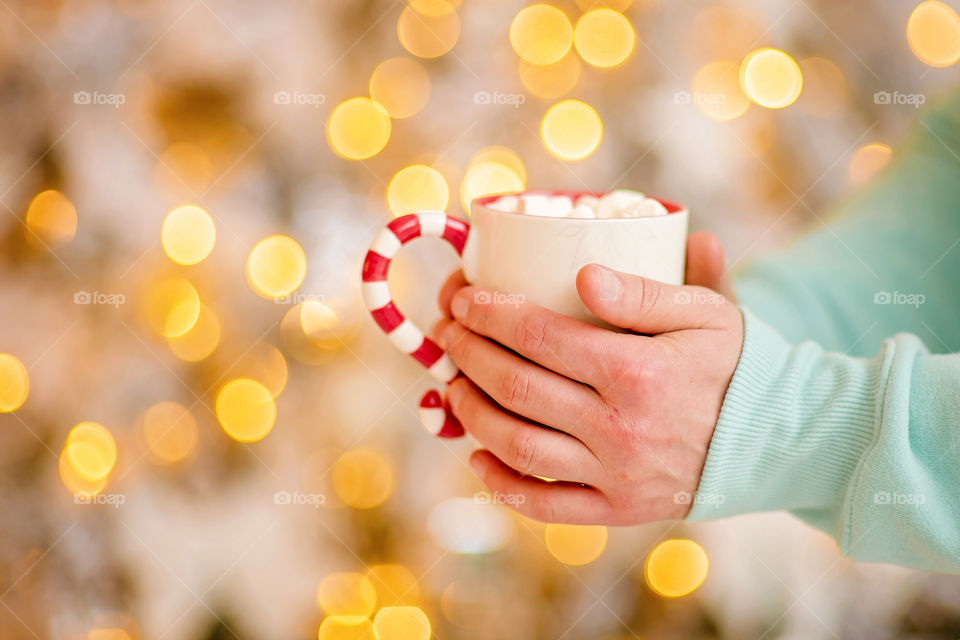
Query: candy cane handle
{"x": 436, "y": 418}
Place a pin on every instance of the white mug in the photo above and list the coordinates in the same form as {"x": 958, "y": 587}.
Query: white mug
{"x": 532, "y": 258}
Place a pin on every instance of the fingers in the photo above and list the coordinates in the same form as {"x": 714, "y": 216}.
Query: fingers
{"x": 454, "y": 283}
{"x": 545, "y": 501}
{"x": 644, "y": 305}
{"x": 572, "y": 348}
{"x": 520, "y": 385}
{"x": 529, "y": 449}
{"x": 705, "y": 265}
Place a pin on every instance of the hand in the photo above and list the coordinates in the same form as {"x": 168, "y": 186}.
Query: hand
{"x": 629, "y": 416}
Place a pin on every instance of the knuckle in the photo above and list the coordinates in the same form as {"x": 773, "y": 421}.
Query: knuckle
{"x": 523, "y": 452}
{"x": 545, "y": 508}
{"x": 515, "y": 388}
{"x": 649, "y": 296}
{"x": 532, "y": 333}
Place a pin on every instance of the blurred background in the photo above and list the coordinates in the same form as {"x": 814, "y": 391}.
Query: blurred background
{"x": 202, "y": 433}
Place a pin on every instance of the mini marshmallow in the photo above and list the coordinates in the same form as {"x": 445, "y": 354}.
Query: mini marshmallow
{"x": 560, "y": 206}
{"x": 510, "y": 204}
{"x": 582, "y": 211}
{"x": 588, "y": 201}
{"x": 534, "y": 204}
{"x": 621, "y": 203}
{"x": 617, "y": 203}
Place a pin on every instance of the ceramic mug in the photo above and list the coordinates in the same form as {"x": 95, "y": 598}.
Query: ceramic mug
{"x": 520, "y": 257}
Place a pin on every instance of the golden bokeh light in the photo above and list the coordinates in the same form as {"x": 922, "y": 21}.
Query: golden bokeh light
{"x": 305, "y": 349}
{"x": 172, "y": 306}
{"x": 616, "y": 5}
{"x": 74, "y": 483}
{"x": 395, "y": 584}
{"x": 604, "y": 37}
{"x": 676, "y": 567}
{"x": 825, "y": 89}
{"x": 347, "y": 628}
{"x": 358, "y": 128}
{"x": 933, "y": 33}
{"x": 188, "y": 234}
{"x": 362, "y": 479}
{"x": 771, "y": 78}
{"x": 575, "y": 545}
{"x": 90, "y": 451}
{"x": 246, "y": 410}
{"x": 429, "y": 35}
{"x": 401, "y": 85}
{"x": 264, "y": 363}
{"x": 51, "y": 220}
{"x": 487, "y": 178}
{"x": 402, "y": 623}
{"x": 319, "y": 322}
{"x": 113, "y": 633}
{"x": 276, "y": 267}
{"x": 14, "y": 383}
{"x": 170, "y": 431}
{"x": 867, "y": 161}
{"x": 501, "y": 155}
{"x": 347, "y": 594}
{"x": 550, "y": 81}
{"x": 200, "y": 340}
{"x": 716, "y": 91}
{"x": 541, "y": 34}
{"x": 417, "y": 188}
{"x": 183, "y": 169}
{"x": 571, "y": 130}
{"x": 433, "y": 7}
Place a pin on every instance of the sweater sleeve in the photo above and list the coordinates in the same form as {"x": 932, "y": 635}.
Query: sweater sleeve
{"x": 827, "y": 416}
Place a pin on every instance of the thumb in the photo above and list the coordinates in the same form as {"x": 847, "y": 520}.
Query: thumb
{"x": 644, "y": 305}
{"x": 705, "y": 265}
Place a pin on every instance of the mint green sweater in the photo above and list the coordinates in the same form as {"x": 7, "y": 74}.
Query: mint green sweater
{"x": 845, "y": 406}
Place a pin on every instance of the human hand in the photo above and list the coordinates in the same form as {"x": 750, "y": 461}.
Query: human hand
{"x": 630, "y": 416}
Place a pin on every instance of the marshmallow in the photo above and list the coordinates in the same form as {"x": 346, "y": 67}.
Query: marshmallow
{"x": 621, "y": 203}
{"x": 510, "y": 204}
{"x": 618, "y": 203}
{"x": 582, "y": 211}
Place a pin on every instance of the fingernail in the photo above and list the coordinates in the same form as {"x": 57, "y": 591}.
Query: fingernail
{"x": 610, "y": 284}
{"x": 458, "y": 306}
{"x": 455, "y": 394}
{"x": 477, "y": 466}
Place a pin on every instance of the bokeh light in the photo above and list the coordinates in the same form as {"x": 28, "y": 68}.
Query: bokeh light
{"x": 933, "y": 33}
{"x": 486, "y": 178}
{"x": 170, "y": 431}
{"x": 14, "y": 383}
{"x": 51, "y": 220}
{"x": 771, "y": 78}
{"x": 867, "y": 161}
{"x": 264, "y": 363}
{"x": 347, "y": 594}
{"x": 90, "y": 451}
{"x": 433, "y": 7}
{"x": 401, "y": 85}
{"x": 172, "y": 306}
{"x": 200, "y": 340}
{"x": 575, "y": 545}
{"x": 417, "y": 188}
{"x": 501, "y": 155}
{"x": 604, "y": 37}
{"x": 108, "y": 634}
{"x": 550, "y": 81}
{"x": 429, "y": 35}
{"x": 571, "y": 130}
{"x": 358, "y": 128}
{"x": 825, "y": 90}
{"x": 363, "y": 479}
{"x": 188, "y": 234}
{"x": 76, "y": 484}
{"x": 276, "y": 267}
{"x": 347, "y": 628}
{"x": 616, "y": 5}
{"x": 402, "y": 623}
{"x": 395, "y": 584}
{"x": 717, "y": 92}
{"x": 246, "y": 410}
{"x": 541, "y": 34}
{"x": 676, "y": 567}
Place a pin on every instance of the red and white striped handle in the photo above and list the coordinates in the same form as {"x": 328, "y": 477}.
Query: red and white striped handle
{"x": 403, "y": 333}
